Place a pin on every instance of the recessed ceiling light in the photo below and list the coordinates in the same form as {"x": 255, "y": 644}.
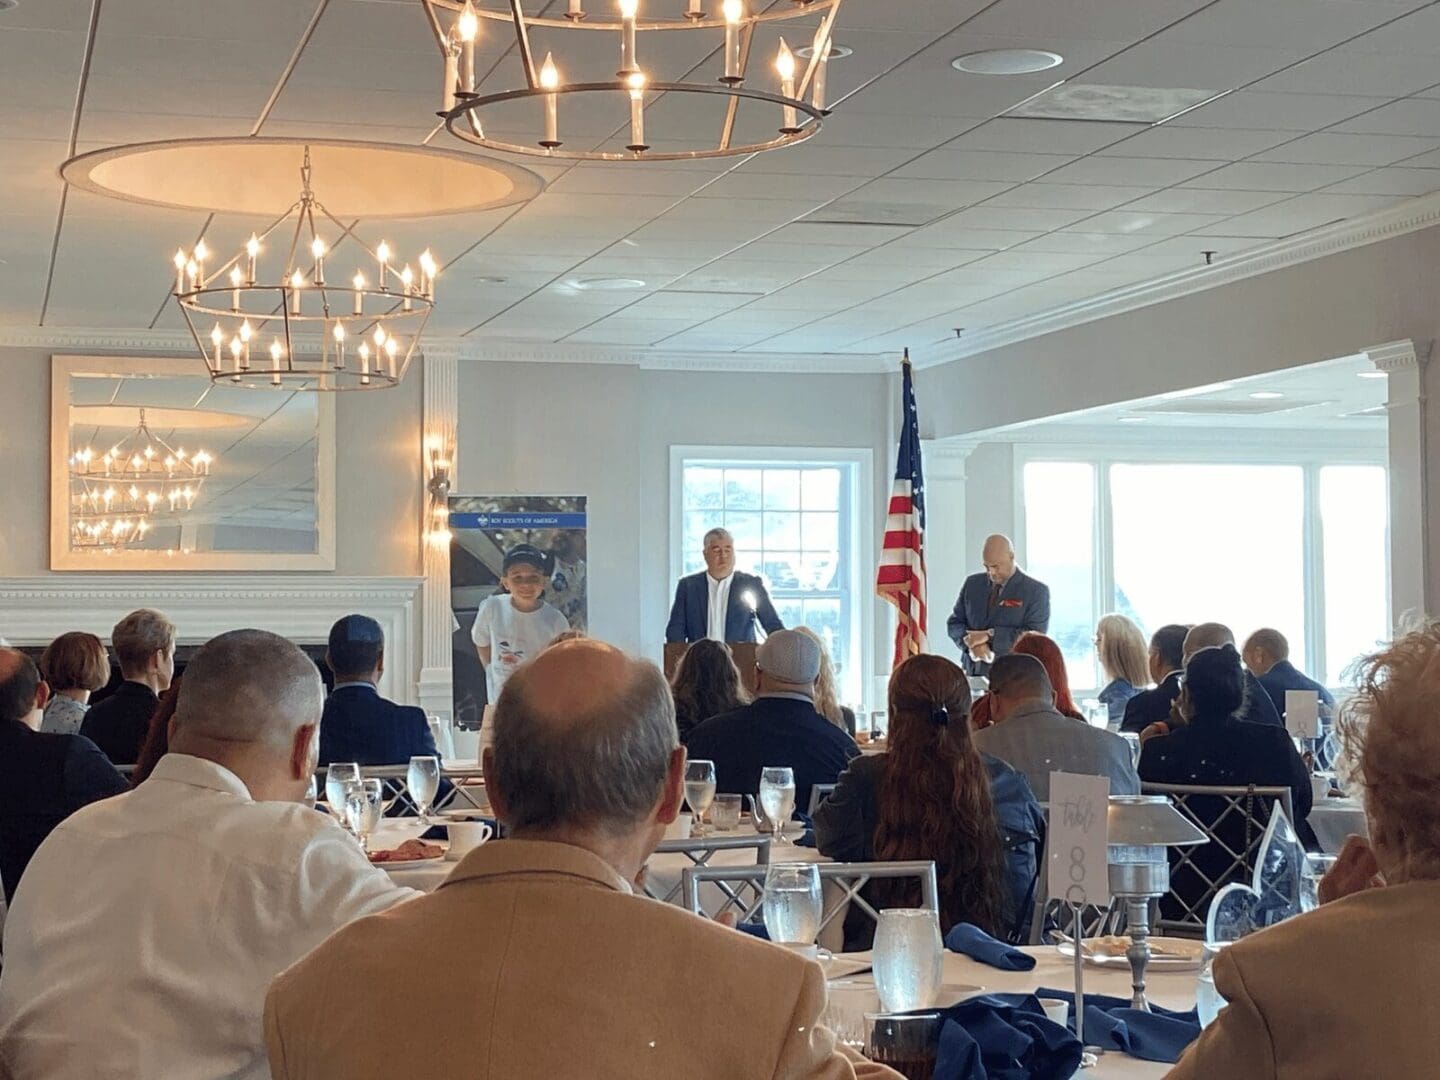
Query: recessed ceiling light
{"x": 607, "y": 284}
{"x": 1267, "y": 395}
{"x": 490, "y": 279}
{"x": 837, "y": 52}
{"x": 1372, "y": 374}
{"x": 1007, "y": 61}
{"x": 1130, "y": 419}
{"x": 1119, "y": 104}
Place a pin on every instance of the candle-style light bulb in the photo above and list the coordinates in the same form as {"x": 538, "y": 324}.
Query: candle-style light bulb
{"x": 192, "y": 270}
{"x": 379, "y": 338}
{"x": 407, "y": 280}
{"x": 235, "y": 288}
{"x": 201, "y": 252}
{"x": 785, "y": 65}
{"x": 636, "y": 82}
{"x": 317, "y": 249}
{"x": 429, "y": 269}
{"x": 235, "y": 349}
{"x": 451, "y": 76}
{"x": 382, "y": 255}
{"x": 297, "y": 283}
{"x": 364, "y": 352}
{"x": 245, "y": 335}
{"x": 252, "y": 252}
{"x": 217, "y": 339}
{"x": 359, "y": 282}
{"x": 468, "y": 27}
{"x": 629, "y": 10}
{"x": 549, "y": 81}
{"x": 179, "y": 262}
{"x": 391, "y": 347}
{"x": 338, "y": 333}
{"x": 734, "y": 12}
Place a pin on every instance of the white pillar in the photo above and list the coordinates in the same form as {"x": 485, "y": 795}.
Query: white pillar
{"x": 1411, "y": 576}
{"x": 440, "y": 409}
{"x": 947, "y": 558}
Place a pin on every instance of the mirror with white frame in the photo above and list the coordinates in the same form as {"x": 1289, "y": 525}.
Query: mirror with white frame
{"x": 154, "y": 466}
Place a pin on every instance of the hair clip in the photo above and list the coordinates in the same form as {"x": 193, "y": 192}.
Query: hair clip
{"x": 940, "y": 715}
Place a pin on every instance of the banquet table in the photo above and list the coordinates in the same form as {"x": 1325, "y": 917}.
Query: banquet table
{"x": 1335, "y": 819}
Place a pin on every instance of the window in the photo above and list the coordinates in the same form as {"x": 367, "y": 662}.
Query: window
{"x": 1302, "y": 547}
{"x": 794, "y": 524}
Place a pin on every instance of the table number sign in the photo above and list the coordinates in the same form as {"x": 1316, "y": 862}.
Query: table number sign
{"x": 1078, "y": 865}
{"x": 1302, "y": 714}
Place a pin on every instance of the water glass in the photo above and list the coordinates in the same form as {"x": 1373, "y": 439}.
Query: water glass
{"x": 312, "y": 792}
{"x": 422, "y": 780}
{"x": 364, "y": 802}
{"x": 908, "y": 959}
{"x": 777, "y": 797}
{"x": 1208, "y": 1001}
{"x": 699, "y": 791}
{"x": 792, "y": 903}
{"x": 847, "y": 1001}
{"x": 725, "y": 812}
{"x": 338, "y": 776}
{"x": 908, "y": 1044}
{"x": 1316, "y": 867}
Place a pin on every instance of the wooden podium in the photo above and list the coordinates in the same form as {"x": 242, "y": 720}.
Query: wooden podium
{"x": 742, "y": 651}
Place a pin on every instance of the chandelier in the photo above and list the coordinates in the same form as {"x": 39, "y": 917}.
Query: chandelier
{"x": 788, "y": 110}
{"x": 302, "y": 329}
{"x": 117, "y": 495}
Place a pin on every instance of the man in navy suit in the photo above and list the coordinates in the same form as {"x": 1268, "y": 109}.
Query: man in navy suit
{"x": 1267, "y": 657}
{"x": 996, "y": 607}
{"x": 358, "y": 724}
{"x": 720, "y": 603}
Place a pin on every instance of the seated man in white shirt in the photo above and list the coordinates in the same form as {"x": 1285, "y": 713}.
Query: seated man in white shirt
{"x": 148, "y": 927}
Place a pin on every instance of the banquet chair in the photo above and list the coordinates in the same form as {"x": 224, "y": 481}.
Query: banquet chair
{"x": 845, "y": 880}
{"x": 1233, "y": 820}
{"x": 1047, "y": 914}
{"x": 700, "y": 850}
{"x": 818, "y": 794}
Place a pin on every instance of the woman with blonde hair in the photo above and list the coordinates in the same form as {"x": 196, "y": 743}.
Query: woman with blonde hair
{"x": 1345, "y": 990}
{"x": 827, "y": 702}
{"x": 1125, "y": 659}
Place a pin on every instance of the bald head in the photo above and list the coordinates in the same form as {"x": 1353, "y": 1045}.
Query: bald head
{"x": 1264, "y": 649}
{"x": 1207, "y": 635}
{"x": 246, "y": 688}
{"x": 998, "y": 556}
{"x": 20, "y": 693}
{"x": 584, "y": 737}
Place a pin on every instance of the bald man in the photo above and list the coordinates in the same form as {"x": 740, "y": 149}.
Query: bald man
{"x": 148, "y": 926}
{"x": 995, "y": 607}
{"x": 553, "y": 965}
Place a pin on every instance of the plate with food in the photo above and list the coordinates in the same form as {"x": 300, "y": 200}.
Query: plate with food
{"x": 410, "y": 853}
{"x": 1166, "y": 953}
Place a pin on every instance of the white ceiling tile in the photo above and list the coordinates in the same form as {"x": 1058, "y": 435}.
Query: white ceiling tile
{"x": 1414, "y": 33}
{"x": 744, "y": 184}
{"x": 1068, "y": 196}
{"x": 945, "y": 194}
{"x": 1203, "y": 201}
{"x": 1301, "y": 213}
{"x": 814, "y": 156}
{"x": 846, "y": 127}
{"x": 1130, "y": 223}
{"x": 1101, "y": 244}
{"x": 852, "y": 237}
{"x": 1222, "y": 144}
{"x": 1348, "y": 71}
{"x": 1393, "y": 181}
{"x": 1337, "y": 148}
{"x": 965, "y": 239}
{"x": 1140, "y": 171}
{"x": 1038, "y": 262}
{"x": 1412, "y": 116}
{"x": 1250, "y": 109}
{"x": 1272, "y": 176}
{"x": 1042, "y": 136}
{"x": 1159, "y": 63}
{"x": 1311, "y": 25}
{"x": 1112, "y": 19}
{"x": 982, "y": 165}
{"x": 1006, "y": 217}
{"x": 639, "y": 180}
{"x": 1423, "y": 161}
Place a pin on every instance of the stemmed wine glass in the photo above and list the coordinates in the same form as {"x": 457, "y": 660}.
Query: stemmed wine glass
{"x": 777, "y": 797}
{"x": 364, "y": 800}
{"x": 338, "y": 776}
{"x": 699, "y": 791}
{"x": 792, "y": 903}
{"x": 422, "y": 780}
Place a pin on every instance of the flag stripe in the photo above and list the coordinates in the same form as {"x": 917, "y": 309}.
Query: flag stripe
{"x": 900, "y": 578}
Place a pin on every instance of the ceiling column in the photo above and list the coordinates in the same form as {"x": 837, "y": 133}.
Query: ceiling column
{"x": 1412, "y": 561}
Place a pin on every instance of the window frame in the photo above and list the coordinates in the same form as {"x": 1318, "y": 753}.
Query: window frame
{"x": 1309, "y": 459}
{"x": 857, "y": 534}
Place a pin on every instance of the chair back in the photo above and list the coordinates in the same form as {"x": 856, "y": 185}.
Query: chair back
{"x": 396, "y": 795}
{"x": 1233, "y": 818}
{"x": 1048, "y": 914}
{"x": 700, "y": 850}
{"x": 744, "y": 888}
{"x": 818, "y": 794}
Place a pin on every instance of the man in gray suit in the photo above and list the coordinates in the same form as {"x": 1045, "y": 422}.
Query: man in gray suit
{"x": 1035, "y": 739}
{"x": 996, "y": 607}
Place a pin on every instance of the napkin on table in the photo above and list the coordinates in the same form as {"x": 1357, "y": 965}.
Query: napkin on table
{"x": 1158, "y": 1035}
{"x": 1004, "y": 1037}
{"x": 969, "y": 940}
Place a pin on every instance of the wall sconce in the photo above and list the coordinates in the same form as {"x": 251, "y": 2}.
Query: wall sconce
{"x": 437, "y": 485}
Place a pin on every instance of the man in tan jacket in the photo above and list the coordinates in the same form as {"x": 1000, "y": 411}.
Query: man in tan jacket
{"x": 551, "y": 966}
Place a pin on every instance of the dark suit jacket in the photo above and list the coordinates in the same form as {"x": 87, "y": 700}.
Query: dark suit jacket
{"x": 44, "y": 779}
{"x": 359, "y": 725}
{"x": 1284, "y": 676}
{"x": 118, "y": 724}
{"x": 772, "y": 731}
{"x": 690, "y": 613}
{"x": 1024, "y": 604}
{"x": 1149, "y": 706}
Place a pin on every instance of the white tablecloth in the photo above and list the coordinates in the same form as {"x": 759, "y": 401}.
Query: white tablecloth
{"x": 1335, "y": 819}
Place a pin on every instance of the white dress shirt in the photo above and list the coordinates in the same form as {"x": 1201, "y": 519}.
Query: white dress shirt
{"x": 148, "y": 927}
{"x": 719, "y": 605}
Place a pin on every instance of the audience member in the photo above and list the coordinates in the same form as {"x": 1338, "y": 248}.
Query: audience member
{"x": 706, "y": 683}
{"x": 1267, "y": 657}
{"x": 1216, "y": 747}
{"x": 44, "y": 777}
{"x": 1048, "y": 653}
{"x": 74, "y": 666}
{"x": 1258, "y": 708}
{"x": 1031, "y": 735}
{"x": 934, "y": 796}
{"x": 573, "y": 974}
{"x": 157, "y": 739}
{"x": 1167, "y": 662}
{"x": 144, "y": 643}
{"x": 780, "y": 727}
{"x": 1120, "y": 648}
{"x": 1344, "y": 990}
{"x": 148, "y": 926}
{"x": 827, "y": 698}
{"x": 358, "y": 724}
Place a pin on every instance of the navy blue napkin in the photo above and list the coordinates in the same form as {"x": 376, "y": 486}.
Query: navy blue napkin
{"x": 1004, "y": 1037}
{"x": 754, "y": 929}
{"x": 969, "y": 940}
{"x": 1158, "y": 1035}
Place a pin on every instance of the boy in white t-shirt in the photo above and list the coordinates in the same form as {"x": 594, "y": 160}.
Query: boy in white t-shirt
{"x": 510, "y": 629}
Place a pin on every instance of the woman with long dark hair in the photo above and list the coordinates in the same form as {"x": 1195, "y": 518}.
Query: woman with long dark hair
{"x": 706, "y": 683}
{"x": 935, "y": 796}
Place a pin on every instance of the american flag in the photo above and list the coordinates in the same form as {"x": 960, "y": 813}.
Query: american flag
{"x": 901, "y": 579}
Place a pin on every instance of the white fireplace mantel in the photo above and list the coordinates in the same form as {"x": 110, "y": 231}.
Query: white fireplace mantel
{"x": 33, "y": 611}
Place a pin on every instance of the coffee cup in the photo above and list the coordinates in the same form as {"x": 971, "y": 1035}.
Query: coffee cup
{"x": 679, "y": 829}
{"x": 1056, "y": 1011}
{"x": 465, "y": 836}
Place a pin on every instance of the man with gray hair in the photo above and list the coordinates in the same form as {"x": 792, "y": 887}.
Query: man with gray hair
{"x": 148, "y": 926}
{"x": 1031, "y": 736}
{"x": 720, "y": 602}
{"x": 780, "y": 727}
{"x": 1258, "y": 708}
{"x": 553, "y": 966}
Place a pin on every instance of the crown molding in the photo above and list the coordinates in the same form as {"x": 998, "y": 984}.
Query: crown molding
{"x": 1407, "y": 217}
{"x": 1397, "y": 355}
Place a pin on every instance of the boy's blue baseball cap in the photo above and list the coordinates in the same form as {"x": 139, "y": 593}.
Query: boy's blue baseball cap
{"x": 524, "y": 554}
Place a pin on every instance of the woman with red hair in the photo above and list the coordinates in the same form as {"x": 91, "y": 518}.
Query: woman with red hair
{"x": 1044, "y": 649}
